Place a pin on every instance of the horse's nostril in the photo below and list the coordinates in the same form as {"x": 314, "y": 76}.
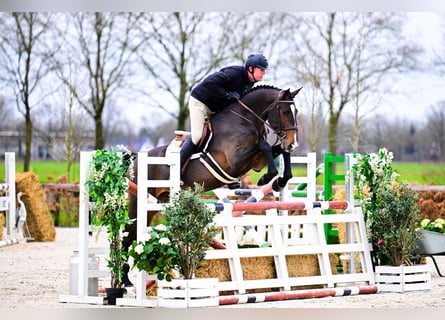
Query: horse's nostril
{"x": 292, "y": 146}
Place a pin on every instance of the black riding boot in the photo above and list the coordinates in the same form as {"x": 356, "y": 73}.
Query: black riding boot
{"x": 186, "y": 151}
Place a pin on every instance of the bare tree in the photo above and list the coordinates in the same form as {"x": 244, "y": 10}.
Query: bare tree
{"x": 23, "y": 56}
{"x": 438, "y": 61}
{"x": 6, "y": 114}
{"x": 103, "y": 49}
{"x": 179, "y": 51}
{"x": 263, "y": 32}
{"x": 66, "y": 132}
{"x": 183, "y": 47}
{"x": 357, "y": 53}
{"x": 436, "y": 129}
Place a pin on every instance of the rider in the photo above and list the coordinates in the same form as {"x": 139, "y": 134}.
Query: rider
{"x": 216, "y": 92}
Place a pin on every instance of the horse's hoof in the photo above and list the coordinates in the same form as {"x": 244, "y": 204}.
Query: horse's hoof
{"x": 276, "y": 187}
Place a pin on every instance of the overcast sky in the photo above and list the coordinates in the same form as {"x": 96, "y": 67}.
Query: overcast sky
{"x": 421, "y": 90}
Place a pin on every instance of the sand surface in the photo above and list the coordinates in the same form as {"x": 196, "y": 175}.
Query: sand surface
{"x": 35, "y": 274}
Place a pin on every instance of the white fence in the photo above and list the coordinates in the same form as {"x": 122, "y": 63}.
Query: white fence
{"x": 276, "y": 232}
{"x": 8, "y": 202}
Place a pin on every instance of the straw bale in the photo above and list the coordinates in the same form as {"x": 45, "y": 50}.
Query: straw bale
{"x": 2, "y": 215}
{"x": 2, "y": 222}
{"x": 152, "y": 289}
{"x": 38, "y": 219}
{"x": 255, "y": 268}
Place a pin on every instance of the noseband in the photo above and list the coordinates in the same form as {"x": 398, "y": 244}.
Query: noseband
{"x": 280, "y": 132}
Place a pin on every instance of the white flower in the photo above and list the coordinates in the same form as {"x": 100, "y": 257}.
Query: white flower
{"x": 123, "y": 148}
{"x": 130, "y": 261}
{"x": 146, "y": 237}
{"x": 139, "y": 249}
{"x": 164, "y": 241}
{"x": 161, "y": 227}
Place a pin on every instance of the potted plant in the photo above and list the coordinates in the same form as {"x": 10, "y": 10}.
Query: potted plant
{"x": 107, "y": 189}
{"x": 392, "y": 218}
{"x": 432, "y": 239}
{"x": 179, "y": 245}
{"x": 390, "y": 208}
{"x": 395, "y": 227}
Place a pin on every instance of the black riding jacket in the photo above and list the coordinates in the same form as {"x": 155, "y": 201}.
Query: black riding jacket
{"x": 213, "y": 90}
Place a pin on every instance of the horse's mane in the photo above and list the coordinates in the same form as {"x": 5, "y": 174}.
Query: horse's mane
{"x": 260, "y": 87}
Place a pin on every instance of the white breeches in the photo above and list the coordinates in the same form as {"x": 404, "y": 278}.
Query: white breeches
{"x": 198, "y": 114}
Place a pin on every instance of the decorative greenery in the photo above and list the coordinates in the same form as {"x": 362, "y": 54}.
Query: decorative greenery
{"x": 372, "y": 175}
{"x": 154, "y": 253}
{"x": 395, "y": 226}
{"x": 107, "y": 188}
{"x": 191, "y": 229}
{"x": 390, "y": 210}
{"x": 182, "y": 242}
{"x": 437, "y": 225}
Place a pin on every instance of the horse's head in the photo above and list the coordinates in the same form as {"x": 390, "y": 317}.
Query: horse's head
{"x": 282, "y": 117}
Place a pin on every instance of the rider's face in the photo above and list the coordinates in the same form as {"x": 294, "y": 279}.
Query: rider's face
{"x": 258, "y": 74}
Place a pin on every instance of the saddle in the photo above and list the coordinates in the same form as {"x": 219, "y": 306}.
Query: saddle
{"x": 181, "y": 136}
{"x": 205, "y": 157}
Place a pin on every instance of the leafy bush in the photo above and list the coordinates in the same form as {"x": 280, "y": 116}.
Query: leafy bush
{"x": 154, "y": 253}
{"x": 191, "y": 229}
{"x": 391, "y": 211}
{"x": 395, "y": 226}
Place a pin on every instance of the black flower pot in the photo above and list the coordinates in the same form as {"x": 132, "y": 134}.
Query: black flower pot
{"x": 113, "y": 294}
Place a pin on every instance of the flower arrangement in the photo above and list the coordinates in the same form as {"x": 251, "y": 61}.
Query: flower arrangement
{"x": 437, "y": 225}
{"x": 179, "y": 244}
{"x": 107, "y": 189}
{"x": 373, "y": 174}
{"x": 390, "y": 208}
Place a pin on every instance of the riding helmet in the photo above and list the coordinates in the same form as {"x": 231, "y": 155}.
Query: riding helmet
{"x": 257, "y": 60}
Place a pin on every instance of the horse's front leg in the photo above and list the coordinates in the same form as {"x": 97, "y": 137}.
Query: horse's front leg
{"x": 282, "y": 181}
{"x": 271, "y": 169}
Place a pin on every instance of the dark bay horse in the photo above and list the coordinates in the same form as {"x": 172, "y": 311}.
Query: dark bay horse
{"x": 237, "y": 145}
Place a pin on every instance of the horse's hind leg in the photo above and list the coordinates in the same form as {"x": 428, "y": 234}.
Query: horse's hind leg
{"x": 271, "y": 169}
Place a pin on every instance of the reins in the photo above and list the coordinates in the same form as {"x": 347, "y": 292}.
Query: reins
{"x": 265, "y": 123}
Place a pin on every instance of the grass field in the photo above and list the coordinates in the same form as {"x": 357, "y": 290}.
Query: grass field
{"x": 48, "y": 171}
{"x": 421, "y": 173}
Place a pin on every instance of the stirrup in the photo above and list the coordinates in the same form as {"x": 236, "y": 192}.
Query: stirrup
{"x": 234, "y": 185}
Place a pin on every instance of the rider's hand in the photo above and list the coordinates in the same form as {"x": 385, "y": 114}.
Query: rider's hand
{"x": 233, "y": 95}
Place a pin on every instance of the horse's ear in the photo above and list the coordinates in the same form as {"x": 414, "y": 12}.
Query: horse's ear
{"x": 282, "y": 93}
{"x": 294, "y": 93}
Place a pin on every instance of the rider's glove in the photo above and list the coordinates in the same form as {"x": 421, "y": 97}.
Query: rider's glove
{"x": 233, "y": 95}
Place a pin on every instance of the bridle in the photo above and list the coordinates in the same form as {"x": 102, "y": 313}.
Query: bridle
{"x": 280, "y": 132}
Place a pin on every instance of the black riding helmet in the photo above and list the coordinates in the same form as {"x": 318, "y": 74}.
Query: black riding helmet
{"x": 257, "y": 60}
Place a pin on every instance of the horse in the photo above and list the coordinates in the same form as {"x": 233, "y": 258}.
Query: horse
{"x": 235, "y": 144}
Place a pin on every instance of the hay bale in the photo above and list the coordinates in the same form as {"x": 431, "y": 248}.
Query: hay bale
{"x": 38, "y": 219}
{"x": 151, "y": 289}
{"x": 2, "y": 222}
{"x": 256, "y": 268}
